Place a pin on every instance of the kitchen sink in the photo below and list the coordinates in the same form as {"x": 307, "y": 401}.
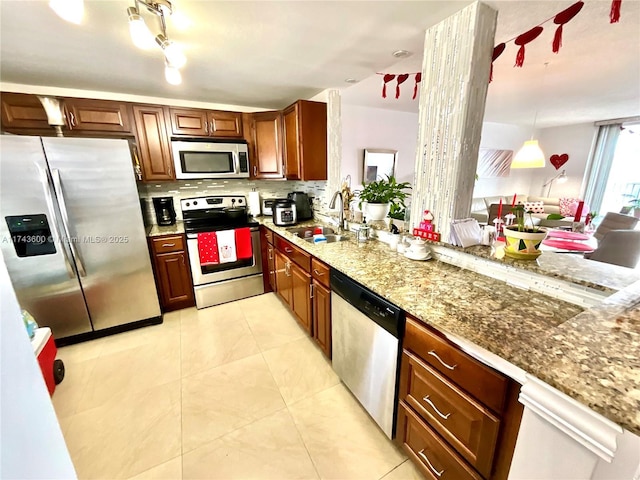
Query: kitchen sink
{"x": 307, "y": 232}
{"x": 330, "y": 238}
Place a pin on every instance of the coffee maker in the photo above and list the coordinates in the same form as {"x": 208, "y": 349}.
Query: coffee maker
{"x": 165, "y": 213}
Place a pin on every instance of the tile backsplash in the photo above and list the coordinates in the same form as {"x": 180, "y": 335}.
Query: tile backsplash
{"x": 267, "y": 188}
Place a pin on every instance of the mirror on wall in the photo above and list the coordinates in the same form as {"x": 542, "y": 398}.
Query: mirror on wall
{"x": 378, "y": 164}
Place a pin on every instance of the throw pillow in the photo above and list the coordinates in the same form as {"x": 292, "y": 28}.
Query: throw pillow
{"x": 534, "y": 207}
{"x": 568, "y": 206}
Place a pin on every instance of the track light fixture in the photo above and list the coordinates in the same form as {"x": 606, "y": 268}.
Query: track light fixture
{"x": 69, "y": 10}
{"x": 143, "y": 38}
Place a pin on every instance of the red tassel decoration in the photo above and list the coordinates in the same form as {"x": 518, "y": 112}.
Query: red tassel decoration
{"x": 560, "y": 19}
{"x": 386, "y": 79}
{"x": 415, "y": 85}
{"x": 614, "y": 16}
{"x": 522, "y": 40}
{"x": 497, "y": 51}
{"x": 401, "y": 79}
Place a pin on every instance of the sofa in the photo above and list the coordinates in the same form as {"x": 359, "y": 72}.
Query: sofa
{"x": 480, "y": 209}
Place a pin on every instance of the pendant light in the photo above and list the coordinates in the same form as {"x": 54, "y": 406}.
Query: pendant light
{"x": 531, "y": 155}
{"x": 140, "y": 33}
{"x": 69, "y": 10}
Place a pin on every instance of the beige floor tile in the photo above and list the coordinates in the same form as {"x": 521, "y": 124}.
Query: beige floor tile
{"x": 81, "y": 352}
{"x": 406, "y": 471}
{"x": 214, "y": 336}
{"x": 131, "y": 370}
{"x": 300, "y": 369}
{"x": 127, "y": 435}
{"x": 68, "y": 394}
{"x": 171, "y": 470}
{"x": 271, "y": 323}
{"x": 168, "y": 331}
{"x": 270, "y": 448}
{"x": 343, "y": 441}
{"x": 225, "y": 398}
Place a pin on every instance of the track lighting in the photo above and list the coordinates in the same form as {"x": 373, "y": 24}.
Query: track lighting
{"x": 172, "y": 52}
{"x": 69, "y": 10}
{"x": 172, "y": 75}
{"x": 140, "y": 33}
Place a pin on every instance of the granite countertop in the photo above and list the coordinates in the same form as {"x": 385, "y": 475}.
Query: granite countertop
{"x": 591, "y": 355}
{"x": 158, "y": 230}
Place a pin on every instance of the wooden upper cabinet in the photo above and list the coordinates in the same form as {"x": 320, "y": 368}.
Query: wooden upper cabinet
{"x": 267, "y": 145}
{"x": 305, "y": 140}
{"x": 101, "y": 116}
{"x": 192, "y": 122}
{"x": 23, "y": 111}
{"x": 153, "y": 144}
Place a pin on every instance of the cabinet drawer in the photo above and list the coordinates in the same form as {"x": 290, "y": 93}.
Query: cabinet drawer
{"x": 466, "y": 424}
{"x": 169, "y": 243}
{"x": 296, "y": 254}
{"x": 432, "y": 455}
{"x": 268, "y": 235}
{"x": 320, "y": 271}
{"x": 477, "y": 379}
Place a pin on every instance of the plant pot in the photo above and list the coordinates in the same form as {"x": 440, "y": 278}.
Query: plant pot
{"x": 523, "y": 245}
{"x": 377, "y": 211}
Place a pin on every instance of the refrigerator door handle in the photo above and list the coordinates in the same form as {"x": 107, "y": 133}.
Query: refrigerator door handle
{"x": 52, "y": 212}
{"x": 57, "y": 187}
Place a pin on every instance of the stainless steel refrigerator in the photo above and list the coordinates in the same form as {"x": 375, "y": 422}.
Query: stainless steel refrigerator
{"x": 72, "y": 233}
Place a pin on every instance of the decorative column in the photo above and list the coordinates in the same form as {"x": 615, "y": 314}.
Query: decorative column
{"x": 455, "y": 78}
{"x": 334, "y": 143}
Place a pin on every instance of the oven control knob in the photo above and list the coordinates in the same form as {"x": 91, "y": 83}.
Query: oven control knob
{"x": 239, "y": 200}
{"x": 195, "y": 202}
{"x": 187, "y": 204}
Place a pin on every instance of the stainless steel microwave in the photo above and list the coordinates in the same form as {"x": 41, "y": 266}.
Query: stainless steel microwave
{"x": 194, "y": 159}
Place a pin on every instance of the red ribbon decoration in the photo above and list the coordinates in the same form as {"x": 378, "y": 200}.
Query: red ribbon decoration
{"x": 386, "y": 79}
{"x": 614, "y": 16}
{"x": 497, "y": 51}
{"x": 415, "y": 85}
{"x": 401, "y": 79}
{"x": 560, "y": 19}
{"x": 523, "y": 39}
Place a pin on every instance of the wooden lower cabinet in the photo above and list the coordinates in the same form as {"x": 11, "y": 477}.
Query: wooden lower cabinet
{"x": 301, "y": 296}
{"x": 283, "y": 277}
{"x": 173, "y": 275}
{"x": 271, "y": 267}
{"x": 322, "y": 316}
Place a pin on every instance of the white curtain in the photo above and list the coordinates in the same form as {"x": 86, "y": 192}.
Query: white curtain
{"x": 599, "y": 165}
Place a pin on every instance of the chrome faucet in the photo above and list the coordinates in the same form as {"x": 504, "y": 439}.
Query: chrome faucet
{"x": 332, "y": 205}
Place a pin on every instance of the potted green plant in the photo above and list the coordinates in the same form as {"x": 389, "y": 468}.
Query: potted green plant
{"x": 380, "y": 195}
{"x": 523, "y": 241}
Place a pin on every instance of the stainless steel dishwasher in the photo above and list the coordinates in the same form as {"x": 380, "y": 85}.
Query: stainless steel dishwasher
{"x": 366, "y": 333}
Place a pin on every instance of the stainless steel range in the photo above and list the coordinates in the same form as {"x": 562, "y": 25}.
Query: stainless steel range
{"x": 220, "y": 272}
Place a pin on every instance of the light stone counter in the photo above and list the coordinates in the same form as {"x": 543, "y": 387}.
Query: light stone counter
{"x": 592, "y": 356}
{"x": 158, "y": 230}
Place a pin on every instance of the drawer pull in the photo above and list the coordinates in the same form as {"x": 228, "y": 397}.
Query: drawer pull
{"x": 434, "y": 354}
{"x": 426, "y": 399}
{"x": 317, "y": 272}
{"x": 168, "y": 244}
{"x": 431, "y": 467}
{"x": 288, "y": 250}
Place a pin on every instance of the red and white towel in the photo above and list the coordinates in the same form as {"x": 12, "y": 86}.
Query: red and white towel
{"x": 208, "y": 248}
{"x": 227, "y": 246}
{"x": 243, "y": 243}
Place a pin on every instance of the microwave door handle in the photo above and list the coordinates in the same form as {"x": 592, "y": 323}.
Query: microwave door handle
{"x": 44, "y": 179}
{"x": 57, "y": 187}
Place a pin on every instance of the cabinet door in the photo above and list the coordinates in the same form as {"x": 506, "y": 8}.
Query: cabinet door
{"x": 153, "y": 143}
{"x": 271, "y": 265}
{"x": 267, "y": 143}
{"x": 189, "y": 121}
{"x": 23, "y": 112}
{"x": 98, "y": 115}
{"x": 174, "y": 280}
{"x": 291, "y": 143}
{"x": 301, "y": 285}
{"x": 283, "y": 277}
{"x": 225, "y": 124}
{"x": 322, "y": 317}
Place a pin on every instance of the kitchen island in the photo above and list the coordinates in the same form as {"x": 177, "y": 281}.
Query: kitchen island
{"x": 590, "y": 355}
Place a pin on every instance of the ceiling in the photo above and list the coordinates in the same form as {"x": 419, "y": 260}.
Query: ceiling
{"x": 268, "y": 54}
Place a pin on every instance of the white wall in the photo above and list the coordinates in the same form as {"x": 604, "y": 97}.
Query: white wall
{"x": 31, "y": 443}
{"x": 364, "y": 127}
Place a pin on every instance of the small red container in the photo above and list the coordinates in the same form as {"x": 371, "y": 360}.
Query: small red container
{"x": 45, "y": 350}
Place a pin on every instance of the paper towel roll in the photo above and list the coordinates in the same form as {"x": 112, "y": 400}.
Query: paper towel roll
{"x": 254, "y": 203}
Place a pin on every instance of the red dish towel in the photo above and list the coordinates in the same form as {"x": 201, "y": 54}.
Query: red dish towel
{"x": 243, "y": 243}
{"x": 208, "y": 248}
